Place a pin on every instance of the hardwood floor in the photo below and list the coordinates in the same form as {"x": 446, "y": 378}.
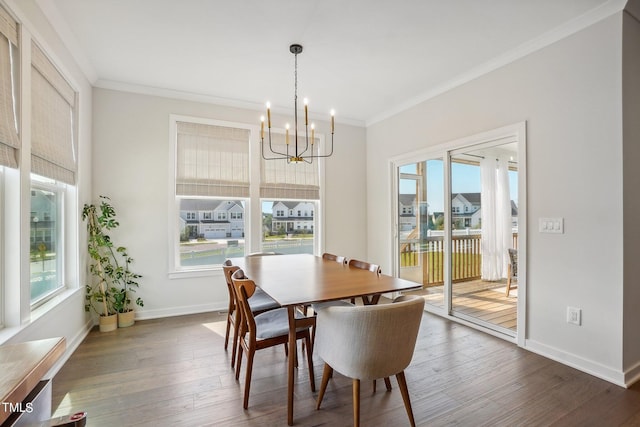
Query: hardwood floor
{"x": 175, "y": 372}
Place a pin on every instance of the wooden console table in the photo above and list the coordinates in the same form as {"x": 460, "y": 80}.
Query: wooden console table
{"x": 22, "y": 367}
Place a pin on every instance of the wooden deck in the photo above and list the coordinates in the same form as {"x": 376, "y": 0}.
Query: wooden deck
{"x": 483, "y": 300}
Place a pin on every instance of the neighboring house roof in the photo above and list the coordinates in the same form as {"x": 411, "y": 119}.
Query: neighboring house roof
{"x": 473, "y": 198}
{"x": 206, "y": 204}
{"x": 289, "y": 205}
{"x": 407, "y": 199}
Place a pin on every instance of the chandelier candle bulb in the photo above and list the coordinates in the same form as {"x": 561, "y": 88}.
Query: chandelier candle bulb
{"x": 333, "y": 114}
{"x": 306, "y": 112}
{"x": 269, "y": 114}
{"x": 262, "y": 127}
{"x": 313, "y": 133}
{"x": 286, "y": 135}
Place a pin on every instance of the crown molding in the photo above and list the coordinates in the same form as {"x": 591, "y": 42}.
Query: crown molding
{"x": 577, "y": 24}
{"x": 206, "y": 99}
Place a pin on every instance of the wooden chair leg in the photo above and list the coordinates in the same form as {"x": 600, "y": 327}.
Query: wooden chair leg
{"x": 387, "y": 382}
{"x": 226, "y": 335}
{"x": 236, "y": 340}
{"x": 356, "y": 402}
{"x": 326, "y": 374}
{"x": 508, "y": 279}
{"x": 239, "y": 362}
{"x": 247, "y": 380}
{"x": 312, "y": 379}
{"x": 402, "y": 383}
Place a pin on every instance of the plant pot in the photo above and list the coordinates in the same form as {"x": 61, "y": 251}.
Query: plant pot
{"x": 126, "y": 319}
{"x": 108, "y": 323}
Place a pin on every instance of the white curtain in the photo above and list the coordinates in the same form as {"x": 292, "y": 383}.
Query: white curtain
{"x": 496, "y": 217}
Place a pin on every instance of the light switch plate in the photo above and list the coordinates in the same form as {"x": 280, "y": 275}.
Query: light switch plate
{"x": 551, "y": 225}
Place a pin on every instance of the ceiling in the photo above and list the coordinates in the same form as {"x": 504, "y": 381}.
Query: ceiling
{"x": 366, "y": 59}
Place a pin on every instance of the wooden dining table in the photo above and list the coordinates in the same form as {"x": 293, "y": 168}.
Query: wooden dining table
{"x": 302, "y": 279}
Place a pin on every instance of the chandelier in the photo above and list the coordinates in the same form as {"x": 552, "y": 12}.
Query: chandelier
{"x": 302, "y": 148}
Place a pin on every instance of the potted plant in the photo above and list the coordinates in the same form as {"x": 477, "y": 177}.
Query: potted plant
{"x": 110, "y": 294}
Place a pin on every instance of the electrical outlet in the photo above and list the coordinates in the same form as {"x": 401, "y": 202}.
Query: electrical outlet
{"x": 574, "y": 315}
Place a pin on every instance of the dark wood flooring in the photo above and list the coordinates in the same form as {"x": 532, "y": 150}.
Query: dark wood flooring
{"x": 175, "y": 372}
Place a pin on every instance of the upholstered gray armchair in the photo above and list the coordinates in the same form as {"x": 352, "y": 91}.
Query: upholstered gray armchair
{"x": 369, "y": 342}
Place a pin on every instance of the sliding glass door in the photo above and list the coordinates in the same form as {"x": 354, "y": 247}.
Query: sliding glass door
{"x": 421, "y": 227}
{"x": 484, "y": 221}
{"x": 457, "y": 229}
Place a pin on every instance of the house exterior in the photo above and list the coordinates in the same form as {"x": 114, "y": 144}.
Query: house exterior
{"x": 292, "y": 217}
{"x": 407, "y": 212}
{"x": 221, "y": 219}
{"x": 211, "y": 219}
{"x": 466, "y": 211}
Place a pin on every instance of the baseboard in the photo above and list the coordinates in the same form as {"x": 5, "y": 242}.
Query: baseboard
{"x": 632, "y": 375}
{"x": 179, "y": 311}
{"x": 588, "y": 366}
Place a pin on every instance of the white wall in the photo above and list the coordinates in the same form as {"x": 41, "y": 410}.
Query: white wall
{"x": 569, "y": 93}
{"x": 631, "y": 160}
{"x": 130, "y": 165}
{"x": 65, "y": 317}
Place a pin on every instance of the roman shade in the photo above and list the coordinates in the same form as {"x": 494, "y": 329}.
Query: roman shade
{"x": 9, "y": 140}
{"x": 282, "y": 180}
{"x": 53, "y": 151}
{"x": 212, "y": 160}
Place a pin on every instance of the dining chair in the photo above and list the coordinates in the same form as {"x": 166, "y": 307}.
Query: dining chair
{"x": 259, "y": 303}
{"x": 369, "y": 342}
{"x": 512, "y": 269}
{"x": 265, "y": 330}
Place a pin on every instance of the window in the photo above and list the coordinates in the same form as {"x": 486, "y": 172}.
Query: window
{"x": 46, "y": 246}
{"x": 212, "y": 175}
{"x": 292, "y": 235}
{"x": 53, "y": 167}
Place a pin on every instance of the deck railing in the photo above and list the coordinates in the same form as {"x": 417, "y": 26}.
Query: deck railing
{"x": 466, "y": 257}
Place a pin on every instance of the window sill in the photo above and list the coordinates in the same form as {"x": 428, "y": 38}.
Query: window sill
{"x": 185, "y": 274}
{"x": 9, "y": 332}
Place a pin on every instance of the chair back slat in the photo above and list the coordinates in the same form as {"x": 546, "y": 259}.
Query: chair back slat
{"x": 363, "y": 265}
{"x": 332, "y": 257}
